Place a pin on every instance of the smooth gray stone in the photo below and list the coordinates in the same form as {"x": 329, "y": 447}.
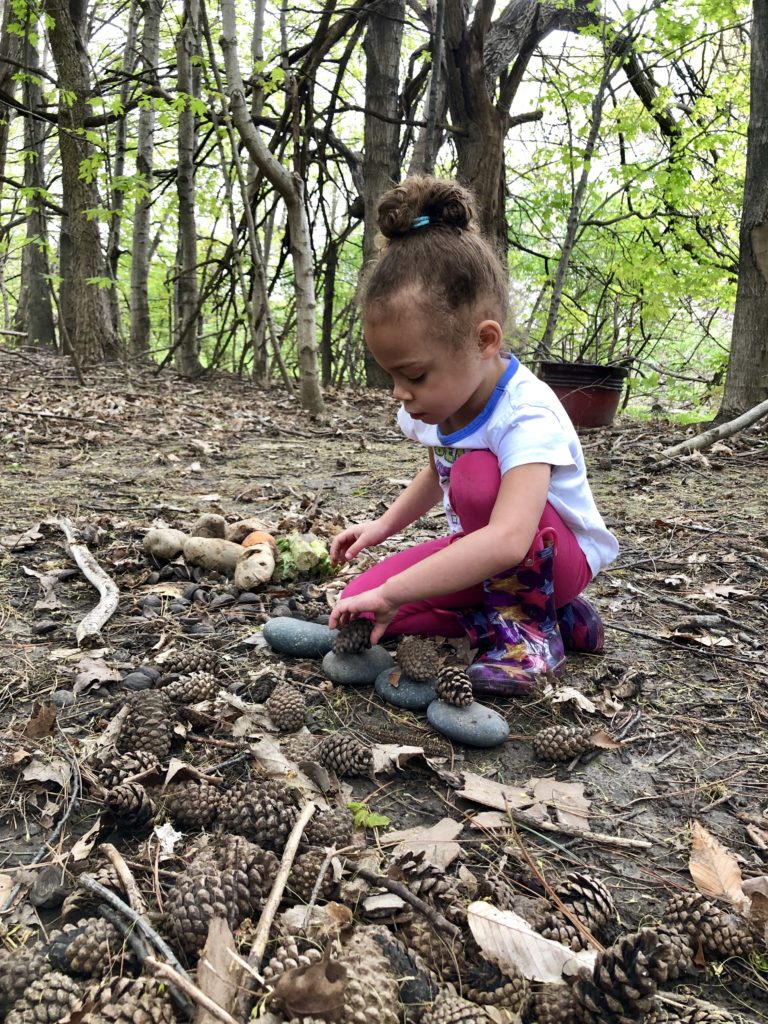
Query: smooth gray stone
{"x": 474, "y": 725}
{"x": 138, "y": 681}
{"x": 407, "y": 694}
{"x": 297, "y": 637}
{"x": 356, "y": 669}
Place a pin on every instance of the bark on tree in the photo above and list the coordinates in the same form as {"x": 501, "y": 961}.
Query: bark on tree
{"x": 145, "y": 134}
{"x": 381, "y": 165}
{"x": 746, "y": 384}
{"x": 291, "y": 189}
{"x": 485, "y": 59}
{"x": 10, "y": 50}
{"x": 84, "y": 307}
{"x": 34, "y": 311}
{"x": 187, "y": 353}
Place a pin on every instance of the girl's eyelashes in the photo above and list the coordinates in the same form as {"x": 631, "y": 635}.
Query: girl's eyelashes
{"x": 416, "y": 380}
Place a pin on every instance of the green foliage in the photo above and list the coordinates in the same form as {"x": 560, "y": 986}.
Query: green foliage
{"x": 363, "y": 818}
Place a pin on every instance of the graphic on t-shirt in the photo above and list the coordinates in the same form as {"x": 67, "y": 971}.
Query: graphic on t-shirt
{"x": 444, "y": 460}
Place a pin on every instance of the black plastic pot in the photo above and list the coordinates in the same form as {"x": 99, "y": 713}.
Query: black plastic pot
{"x": 590, "y": 392}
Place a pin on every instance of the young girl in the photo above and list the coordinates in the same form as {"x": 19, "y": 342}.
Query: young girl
{"x": 525, "y": 536}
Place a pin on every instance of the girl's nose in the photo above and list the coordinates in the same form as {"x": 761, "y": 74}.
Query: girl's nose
{"x": 400, "y": 393}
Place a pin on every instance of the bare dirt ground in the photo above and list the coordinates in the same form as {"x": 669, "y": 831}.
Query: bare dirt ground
{"x": 684, "y": 673}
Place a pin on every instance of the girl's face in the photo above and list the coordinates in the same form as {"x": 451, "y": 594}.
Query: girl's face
{"x": 437, "y": 382}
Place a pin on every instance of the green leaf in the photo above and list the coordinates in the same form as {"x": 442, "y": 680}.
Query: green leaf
{"x": 363, "y": 818}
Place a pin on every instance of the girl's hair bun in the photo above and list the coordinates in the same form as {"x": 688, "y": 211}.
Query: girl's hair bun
{"x": 446, "y": 203}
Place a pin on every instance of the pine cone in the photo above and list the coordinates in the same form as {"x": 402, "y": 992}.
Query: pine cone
{"x": 46, "y": 1000}
{"x": 304, "y": 874}
{"x": 588, "y": 898}
{"x": 697, "y": 1011}
{"x": 193, "y": 659}
{"x": 417, "y": 658}
{"x": 18, "y": 969}
{"x": 292, "y": 953}
{"x": 443, "y": 955}
{"x": 196, "y": 897}
{"x": 132, "y": 1001}
{"x": 552, "y": 1004}
{"x": 454, "y": 1010}
{"x": 193, "y": 687}
{"x": 354, "y": 638}
{"x": 149, "y": 725}
{"x": 82, "y": 902}
{"x": 286, "y": 707}
{"x": 621, "y": 987}
{"x": 262, "y": 811}
{"x": 345, "y": 755}
{"x": 112, "y": 768}
{"x": 310, "y": 610}
{"x": 674, "y": 957}
{"x": 371, "y": 995}
{"x": 259, "y": 866}
{"x": 487, "y": 985}
{"x": 330, "y": 826}
{"x": 420, "y": 875}
{"x": 260, "y": 685}
{"x": 190, "y": 804}
{"x": 555, "y": 926}
{"x": 454, "y": 686}
{"x": 130, "y": 805}
{"x": 718, "y": 931}
{"x": 92, "y": 947}
{"x": 561, "y": 742}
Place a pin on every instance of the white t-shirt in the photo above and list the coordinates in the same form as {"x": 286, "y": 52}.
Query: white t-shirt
{"x": 524, "y": 422}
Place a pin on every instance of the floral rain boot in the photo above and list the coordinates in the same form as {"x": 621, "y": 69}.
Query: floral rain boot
{"x": 520, "y": 608}
{"x": 581, "y": 626}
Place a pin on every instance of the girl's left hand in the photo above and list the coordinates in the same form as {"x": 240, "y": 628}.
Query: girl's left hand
{"x": 374, "y": 602}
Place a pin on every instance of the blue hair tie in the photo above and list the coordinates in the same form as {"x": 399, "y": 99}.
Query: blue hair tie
{"x": 420, "y": 222}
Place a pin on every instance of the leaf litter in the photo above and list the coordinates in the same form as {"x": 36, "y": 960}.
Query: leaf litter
{"x": 685, "y": 611}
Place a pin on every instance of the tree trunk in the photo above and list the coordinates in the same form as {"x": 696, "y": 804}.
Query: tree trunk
{"x": 10, "y": 47}
{"x": 84, "y": 306}
{"x": 118, "y": 167}
{"x": 291, "y": 189}
{"x": 140, "y": 319}
{"x": 34, "y": 312}
{"x": 188, "y": 82}
{"x": 381, "y": 132}
{"x": 746, "y": 384}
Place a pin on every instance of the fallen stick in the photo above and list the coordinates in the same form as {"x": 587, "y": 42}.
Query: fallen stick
{"x": 579, "y": 833}
{"x": 182, "y": 981}
{"x": 90, "y": 568}
{"x": 261, "y": 935}
{"x": 716, "y": 433}
{"x": 125, "y": 875}
{"x": 433, "y": 916}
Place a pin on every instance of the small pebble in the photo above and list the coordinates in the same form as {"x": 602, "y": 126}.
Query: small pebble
{"x": 150, "y": 601}
{"x": 49, "y": 888}
{"x": 44, "y": 626}
{"x": 149, "y": 670}
{"x": 137, "y": 681}
{"x": 297, "y": 638}
{"x": 222, "y": 601}
{"x": 248, "y": 597}
{"x": 355, "y": 669}
{"x": 179, "y": 605}
{"x": 407, "y": 694}
{"x": 62, "y": 698}
{"x": 474, "y": 725}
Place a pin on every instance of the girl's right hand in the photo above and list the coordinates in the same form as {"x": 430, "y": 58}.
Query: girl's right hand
{"x": 350, "y": 542}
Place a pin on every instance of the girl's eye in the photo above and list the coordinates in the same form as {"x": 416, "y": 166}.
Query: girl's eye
{"x": 416, "y": 380}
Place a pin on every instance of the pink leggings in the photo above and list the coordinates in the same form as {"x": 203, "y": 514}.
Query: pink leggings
{"x": 475, "y": 480}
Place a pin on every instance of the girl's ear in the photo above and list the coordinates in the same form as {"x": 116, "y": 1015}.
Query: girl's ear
{"x": 489, "y": 338}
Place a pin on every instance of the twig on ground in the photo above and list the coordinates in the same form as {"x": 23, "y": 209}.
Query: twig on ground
{"x": 261, "y": 935}
{"x": 93, "y": 572}
{"x": 713, "y": 652}
{"x": 135, "y": 898}
{"x": 182, "y": 981}
{"x": 245, "y": 755}
{"x": 716, "y": 433}
{"x": 580, "y": 833}
{"x": 89, "y": 883}
{"x": 330, "y": 853}
{"x": 434, "y": 917}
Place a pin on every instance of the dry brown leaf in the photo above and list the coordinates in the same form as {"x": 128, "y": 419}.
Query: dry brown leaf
{"x": 394, "y": 677}
{"x": 567, "y": 798}
{"x": 6, "y": 885}
{"x": 493, "y": 794}
{"x": 55, "y": 770}
{"x": 82, "y": 848}
{"x": 604, "y": 740}
{"x": 714, "y": 869}
{"x": 390, "y": 757}
{"x": 93, "y": 672}
{"x": 313, "y": 991}
{"x": 41, "y": 721}
{"x": 437, "y": 843}
{"x": 507, "y": 939}
{"x": 215, "y": 976}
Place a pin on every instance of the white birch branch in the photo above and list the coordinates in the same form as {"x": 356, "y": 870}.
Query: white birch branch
{"x": 709, "y": 437}
{"x": 90, "y": 568}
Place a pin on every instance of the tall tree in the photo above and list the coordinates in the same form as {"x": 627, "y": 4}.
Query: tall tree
{"x": 746, "y": 384}
{"x": 34, "y": 311}
{"x": 145, "y": 143}
{"x": 381, "y": 167}
{"x": 188, "y": 83}
{"x": 86, "y": 322}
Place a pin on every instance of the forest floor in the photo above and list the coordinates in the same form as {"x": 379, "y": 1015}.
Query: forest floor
{"x": 684, "y": 671}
